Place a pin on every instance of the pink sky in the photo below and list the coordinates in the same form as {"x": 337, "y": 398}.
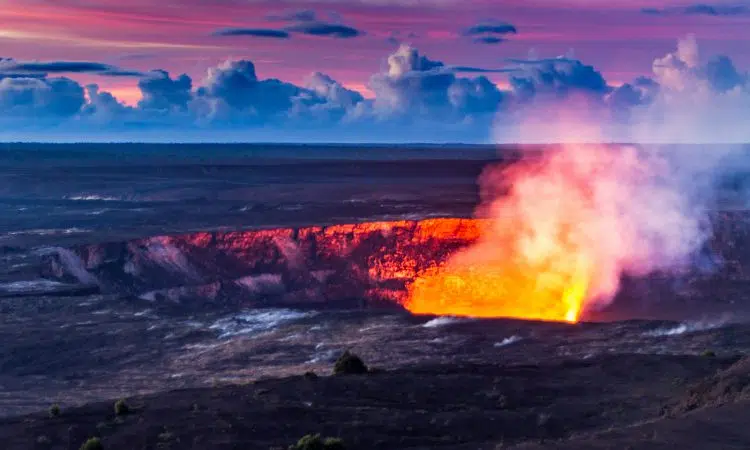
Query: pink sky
{"x": 615, "y": 36}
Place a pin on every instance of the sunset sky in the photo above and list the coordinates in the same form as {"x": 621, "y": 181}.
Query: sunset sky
{"x": 350, "y": 40}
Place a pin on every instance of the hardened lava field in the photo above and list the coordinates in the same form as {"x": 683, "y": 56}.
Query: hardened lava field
{"x": 144, "y": 292}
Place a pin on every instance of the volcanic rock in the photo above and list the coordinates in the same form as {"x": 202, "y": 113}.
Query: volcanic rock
{"x": 726, "y": 386}
{"x": 357, "y": 265}
{"x": 340, "y": 264}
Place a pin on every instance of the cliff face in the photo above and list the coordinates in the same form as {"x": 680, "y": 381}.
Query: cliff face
{"x": 356, "y": 265}
{"x": 334, "y": 265}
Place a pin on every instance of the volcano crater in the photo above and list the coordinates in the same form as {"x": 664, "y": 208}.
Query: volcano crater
{"x": 364, "y": 265}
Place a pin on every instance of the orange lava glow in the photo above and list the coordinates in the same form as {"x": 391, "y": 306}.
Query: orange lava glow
{"x": 500, "y": 291}
{"x": 535, "y": 259}
{"x": 476, "y": 282}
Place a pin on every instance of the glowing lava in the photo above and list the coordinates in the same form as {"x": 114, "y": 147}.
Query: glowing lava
{"x": 561, "y": 230}
{"x": 502, "y": 289}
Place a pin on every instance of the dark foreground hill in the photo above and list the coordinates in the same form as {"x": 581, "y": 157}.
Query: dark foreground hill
{"x": 614, "y": 401}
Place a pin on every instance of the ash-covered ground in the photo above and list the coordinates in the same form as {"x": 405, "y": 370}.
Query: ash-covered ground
{"x": 92, "y": 309}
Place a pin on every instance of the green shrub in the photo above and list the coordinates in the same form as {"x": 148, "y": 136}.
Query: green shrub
{"x": 709, "y": 354}
{"x": 349, "y": 363}
{"x": 121, "y": 408}
{"x": 92, "y": 444}
{"x": 54, "y": 411}
{"x": 334, "y": 444}
{"x": 315, "y": 442}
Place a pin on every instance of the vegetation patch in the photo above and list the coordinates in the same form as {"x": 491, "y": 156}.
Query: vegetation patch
{"x": 316, "y": 442}
{"x": 93, "y": 444}
{"x": 121, "y": 408}
{"x": 54, "y": 411}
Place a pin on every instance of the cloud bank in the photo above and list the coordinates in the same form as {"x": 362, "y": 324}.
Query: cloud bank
{"x": 701, "y": 9}
{"x": 302, "y": 22}
{"x": 686, "y": 98}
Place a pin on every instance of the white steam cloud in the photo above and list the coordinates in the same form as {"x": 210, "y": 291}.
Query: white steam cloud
{"x": 625, "y": 209}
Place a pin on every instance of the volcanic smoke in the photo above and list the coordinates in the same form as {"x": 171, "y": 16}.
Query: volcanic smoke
{"x": 560, "y": 229}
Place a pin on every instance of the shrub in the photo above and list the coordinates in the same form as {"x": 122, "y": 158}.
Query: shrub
{"x": 54, "y": 411}
{"x": 92, "y": 444}
{"x": 315, "y": 442}
{"x": 334, "y": 444}
{"x": 121, "y": 408}
{"x": 349, "y": 363}
{"x": 709, "y": 354}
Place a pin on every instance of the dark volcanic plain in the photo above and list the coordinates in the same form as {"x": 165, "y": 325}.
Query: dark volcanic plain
{"x": 460, "y": 405}
{"x": 123, "y": 275}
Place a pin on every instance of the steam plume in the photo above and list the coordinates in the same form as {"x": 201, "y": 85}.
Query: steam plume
{"x": 561, "y": 229}
{"x": 567, "y": 223}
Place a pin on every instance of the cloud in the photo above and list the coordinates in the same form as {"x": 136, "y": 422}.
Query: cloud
{"x": 326, "y": 101}
{"x": 474, "y": 96}
{"x": 35, "y": 98}
{"x": 415, "y": 98}
{"x": 623, "y": 99}
{"x": 411, "y": 85}
{"x": 137, "y": 56}
{"x": 416, "y": 87}
{"x": 682, "y": 70}
{"x": 468, "y": 69}
{"x": 56, "y": 67}
{"x": 490, "y": 40}
{"x": 684, "y": 100}
{"x": 701, "y": 9}
{"x": 122, "y": 73}
{"x": 232, "y": 93}
{"x": 334, "y": 92}
{"x": 102, "y": 107}
{"x": 304, "y": 22}
{"x": 300, "y": 15}
{"x": 255, "y": 32}
{"x": 162, "y": 93}
{"x": 695, "y": 102}
{"x": 8, "y": 74}
{"x": 326, "y": 29}
{"x": 490, "y": 27}
{"x": 541, "y": 61}
{"x": 556, "y": 78}
{"x": 407, "y": 60}
{"x": 722, "y": 75}
{"x": 399, "y": 37}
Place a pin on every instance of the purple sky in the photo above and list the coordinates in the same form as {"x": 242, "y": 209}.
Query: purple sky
{"x": 615, "y": 36}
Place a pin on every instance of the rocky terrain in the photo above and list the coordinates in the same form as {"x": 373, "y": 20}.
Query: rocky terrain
{"x": 361, "y": 265}
{"x": 323, "y": 266}
{"x": 203, "y": 288}
{"x": 619, "y": 401}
